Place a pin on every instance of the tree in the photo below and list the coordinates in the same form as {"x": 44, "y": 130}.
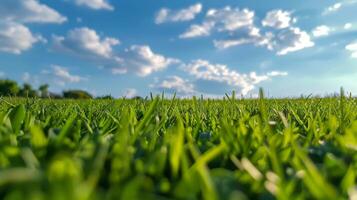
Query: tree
{"x": 106, "y": 97}
{"x": 8, "y": 88}
{"x": 77, "y": 94}
{"x": 44, "y": 90}
{"x": 27, "y": 91}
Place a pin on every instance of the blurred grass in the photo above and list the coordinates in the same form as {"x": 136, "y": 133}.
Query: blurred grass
{"x": 302, "y": 148}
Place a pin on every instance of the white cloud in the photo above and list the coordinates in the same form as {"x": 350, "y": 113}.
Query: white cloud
{"x": 16, "y": 38}
{"x": 95, "y": 4}
{"x": 196, "y": 30}
{"x": 142, "y": 61}
{"x": 226, "y": 19}
{"x": 283, "y": 42}
{"x": 203, "y": 70}
{"x": 353, "y": 48}
{"x": 223, "y": 44}
{"x": 277, "y": 73}
{"x": 2, "y": 74}
{"x": 320, "y": 31}
{"x": 290, "y": 40}
{"x": 347, "y": 26}
{"x": 333, "y": 8}
{"x": 26, "y": 11}
{"x": 240, "y": 28}
{"x": 86, "y": 42}
{"x": 187, "y": 14}
{"x": 63, "y": 76}
{"x": 130, "y": 92}
{"x": 176, "y": 84}
{"x": 278, "y": 19}
{"x": 26, "y": 77}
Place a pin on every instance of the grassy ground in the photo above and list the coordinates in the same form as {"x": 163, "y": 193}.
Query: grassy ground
{"x": 181, "y": 149}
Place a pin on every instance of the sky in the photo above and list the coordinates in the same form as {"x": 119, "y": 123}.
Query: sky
{"x": 209, "y": 47}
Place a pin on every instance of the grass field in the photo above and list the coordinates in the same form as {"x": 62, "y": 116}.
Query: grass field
{"x": 302, "y": 148}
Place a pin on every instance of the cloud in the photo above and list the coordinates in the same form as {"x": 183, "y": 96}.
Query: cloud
{"x": 198, "y": 30}
{"x": 347, "y": 26}
{"x": 240, "y": 29}
{"x": 223, "y": 20}
{"x": 223, "y": 44}
{"x": 353, "y": 48}
{"x": 130, "y": 92}
{"x": 246, "y": 35}
{"x": 26, "y": 77}
{"x": 95, "y": 4}
{"x": 277, "y": 73}
{"x": 290, "y": 40}
{"x": 16, "y": 38}
{"x": 86, "y": 42}
{"x": 2, "y": 74}
{"x": 278, "y": 19}
{"x": 141, "y": 60}
{"x": 62, "y": 76}
{"x": 29, "y": 11}
{"x": 320, "y": 31}
{"x": 333, "y": 8}
{"x": 204, "y": 70}
{"x": 187, "y": 14}
{"x": 282, "y": 42}
{"x": 176, "y": 84}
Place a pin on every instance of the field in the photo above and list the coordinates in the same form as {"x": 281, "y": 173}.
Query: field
{"x": 302, "y": 148}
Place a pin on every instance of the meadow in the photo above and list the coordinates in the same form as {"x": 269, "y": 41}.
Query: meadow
{"x": 156, "y": 148}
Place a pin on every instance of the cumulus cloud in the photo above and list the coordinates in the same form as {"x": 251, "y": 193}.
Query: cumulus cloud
{"x": 225, "y": 19}
{"x": 26, "y": 77}
{"x": 16, "y": 38}
{"x": 277, "y": 73}
{"x": 229, "y": 19}
{"x": 29, "y": 11}
{"x": 141, "y": 60}
{"x": 130, "y": 92}
{"x": 347, "y": 26}
{"x": 223, "y": 44}
{"x": 320, "y": 31}
{"x": 95, "y": 4}
{"x": 333, "y": 8}
{"x": 204, "y": 70}
{"x": 282, "y": 42}
{"x": 238, "y": 24}
{"x": 353, "y": 48}
{"x": 290, "y": 40}
{"x": 86, "y": 42}
{"x": 197, "y": 30}
{"x": 176, "y": 84}
{"x": 187, "y": 14}
{"x": 62, "y": 76}
{"x": 278, "y": 19}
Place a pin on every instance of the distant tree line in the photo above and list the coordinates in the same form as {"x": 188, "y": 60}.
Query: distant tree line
{"x": 12, "y": 88}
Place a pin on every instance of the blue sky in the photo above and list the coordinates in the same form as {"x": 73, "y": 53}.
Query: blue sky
{"x": 211, "y": 47}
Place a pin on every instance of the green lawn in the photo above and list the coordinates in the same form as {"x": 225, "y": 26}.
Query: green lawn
{"x": 178, "y": 149}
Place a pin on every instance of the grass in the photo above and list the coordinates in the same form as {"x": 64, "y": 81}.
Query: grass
{"x": 302, "y": 148}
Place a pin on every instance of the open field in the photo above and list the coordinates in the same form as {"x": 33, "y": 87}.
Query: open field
{"x": 184, "y": 149}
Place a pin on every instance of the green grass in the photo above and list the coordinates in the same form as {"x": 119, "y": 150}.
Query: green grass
{"x": 178, "y": 149}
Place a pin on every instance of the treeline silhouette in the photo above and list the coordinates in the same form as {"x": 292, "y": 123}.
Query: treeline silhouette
{"x": 12, "y": 88}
